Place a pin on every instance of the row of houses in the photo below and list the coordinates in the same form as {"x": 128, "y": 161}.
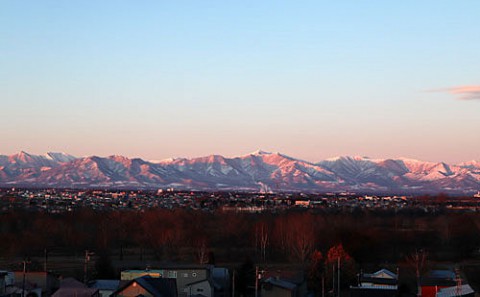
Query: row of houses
{"x": 168, "y": 281}
{"x": 211, "y": 281}
{"x": 436, "y": 283}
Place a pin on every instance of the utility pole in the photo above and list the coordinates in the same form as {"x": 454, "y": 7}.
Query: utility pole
{"x": 333, "y": 279}
{"x": 258, "y": 276}
{"x": 233, "y": 284}
{"x": 323, "y": 284}
{"x": 85, "y": 265}
{"x": 338, "y": 270}
{"x": 458, "y": 279}
{"x": 45, "y": 261}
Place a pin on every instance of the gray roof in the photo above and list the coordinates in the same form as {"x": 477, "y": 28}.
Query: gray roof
{"x": 464, "y": 290}
{"x": 79, "y": 292}
{"x": 280, "y": 283}
{"x": 386, "y": 271}
{"x": 71, "y": 282}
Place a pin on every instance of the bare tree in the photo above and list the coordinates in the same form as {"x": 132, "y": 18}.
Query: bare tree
{"x": 417, "y": 260}
{"x": 201, "y": 250}
{"x": 262, "y": 239}
{"x": 301, "y": 236}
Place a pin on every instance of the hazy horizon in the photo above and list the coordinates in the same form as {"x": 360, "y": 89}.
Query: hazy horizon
{"x": 235, "y": 156}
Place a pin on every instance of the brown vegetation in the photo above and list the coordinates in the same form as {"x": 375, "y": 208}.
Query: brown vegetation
{"x": 312, "y": 240}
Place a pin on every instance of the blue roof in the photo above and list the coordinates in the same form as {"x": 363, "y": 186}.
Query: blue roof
{"x": 445, "y": 274}
{"x": 158, "y": 286}
{"x": 105, "y": 284}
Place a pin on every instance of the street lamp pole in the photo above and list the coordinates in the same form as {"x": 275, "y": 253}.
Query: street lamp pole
{"x": 25, "y": 262}
{"x": 256, "y": 281}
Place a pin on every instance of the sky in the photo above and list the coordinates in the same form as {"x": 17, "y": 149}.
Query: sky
{"x": 310, "y": 79}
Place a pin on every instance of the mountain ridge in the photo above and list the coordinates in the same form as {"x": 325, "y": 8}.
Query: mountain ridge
{"x": 256, "y": 171}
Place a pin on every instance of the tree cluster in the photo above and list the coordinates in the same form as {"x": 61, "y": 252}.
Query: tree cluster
{"x": 313, "y": 240}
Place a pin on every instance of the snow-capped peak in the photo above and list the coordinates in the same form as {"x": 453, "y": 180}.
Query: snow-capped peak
{"x": 22, "y": 156}
{"x": 260, "y": 153}
{"x": 59, "y": 157}
{"x": 472, "y": 163}
{"x": 409, "y": 160}
{"x": 356, "y": 158}
{"x": 167, "y": 160}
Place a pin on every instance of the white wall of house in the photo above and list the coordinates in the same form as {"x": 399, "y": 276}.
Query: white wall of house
{"x": 201, "y": 288}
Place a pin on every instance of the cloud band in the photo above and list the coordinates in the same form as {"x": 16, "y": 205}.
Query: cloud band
{"x": 464, "y": 92}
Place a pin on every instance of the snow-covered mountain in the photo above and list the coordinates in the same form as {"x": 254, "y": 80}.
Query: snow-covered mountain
{"x": 24, "y": 167}
{"x": 256, "y": 171}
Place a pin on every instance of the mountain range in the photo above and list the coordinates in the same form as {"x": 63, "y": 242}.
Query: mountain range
{"x": 257, "y": 171}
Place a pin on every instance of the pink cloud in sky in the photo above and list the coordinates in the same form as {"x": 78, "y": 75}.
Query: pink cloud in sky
{"x": 464, "y": 92}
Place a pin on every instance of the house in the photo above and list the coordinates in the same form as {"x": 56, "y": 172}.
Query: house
{"x": 381, "y": 274}
{"x": 444, "y": 283}
{"x": 381, "y": 278}
{"x": 72, "y": 287}
{"x": 205, "y": 280}
{"x": 221, "y": 281}
{"x": 47, "y": 281}
{"x": 148, "y": 286}
{"x": 204, "y": 288}
{"x": 27, "y": 290}
{"x": 3, "y": 281}
{"x": 8, "y": 286}
{"x": 382, "y": 283}
{"x": 435, "y": 280}
{"x": 133, "y": 274}
{"x": 105, "y": 286}
{"x": 283, "y": 283}
{"x": 275, "y": 287}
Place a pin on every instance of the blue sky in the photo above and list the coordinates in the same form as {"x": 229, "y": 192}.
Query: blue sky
{"x": 190, "y": 78}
